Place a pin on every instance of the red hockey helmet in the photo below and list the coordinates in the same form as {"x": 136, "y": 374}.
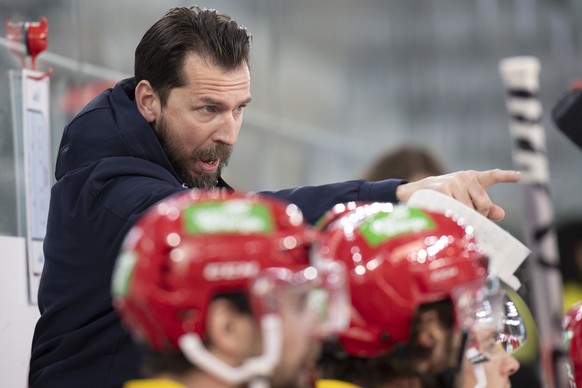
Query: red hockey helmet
{"x": 572, "y": 324}
{"x": 397, "y": 258}
{"x": 192, "y": 246}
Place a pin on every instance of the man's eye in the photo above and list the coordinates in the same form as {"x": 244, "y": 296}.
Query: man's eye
{"x": 209, "y": 109}
{"x": 492, "y": 347}
{"x": 241, "y": 108}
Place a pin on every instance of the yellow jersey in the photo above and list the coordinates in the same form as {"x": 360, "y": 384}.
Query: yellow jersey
{"x": 334, "y": 384}
{"x": 152, "y": 383}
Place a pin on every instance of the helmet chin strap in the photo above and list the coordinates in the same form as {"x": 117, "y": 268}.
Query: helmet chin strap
{"x": 256, "y": 369}
{"x": 478, "y": 369}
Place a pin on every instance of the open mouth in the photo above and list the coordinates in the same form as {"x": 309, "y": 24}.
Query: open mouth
{"x": 208, "y": 164}
{"x": 209, "y": 160}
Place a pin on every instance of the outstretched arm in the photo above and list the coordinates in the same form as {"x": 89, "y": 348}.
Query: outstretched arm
{"x": 314, "y": 201}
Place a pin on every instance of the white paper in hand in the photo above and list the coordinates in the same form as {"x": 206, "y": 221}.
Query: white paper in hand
{"x": 505, "y": 252}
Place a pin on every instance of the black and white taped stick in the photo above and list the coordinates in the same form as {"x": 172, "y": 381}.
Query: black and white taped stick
{"x": 521, "y": 76}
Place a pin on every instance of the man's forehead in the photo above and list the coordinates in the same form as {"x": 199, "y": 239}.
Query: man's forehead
{"x": 197, "y": 67}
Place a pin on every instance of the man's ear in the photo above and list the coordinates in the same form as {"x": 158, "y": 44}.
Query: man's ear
{"x": 147, "y": 101}
{"x": 429, "y": 320}
{"x": 230, "y": 332}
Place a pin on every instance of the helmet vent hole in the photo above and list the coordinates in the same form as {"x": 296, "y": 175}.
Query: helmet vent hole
{"x": 384, "y": 337}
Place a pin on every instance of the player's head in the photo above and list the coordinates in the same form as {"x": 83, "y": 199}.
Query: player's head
{"x": 225, "y": 280}
{"x": 398, "y": 258}
{"x": 411, "y": 274}
{"x": 572, "y": 324}
{"x": 192, "y": 84}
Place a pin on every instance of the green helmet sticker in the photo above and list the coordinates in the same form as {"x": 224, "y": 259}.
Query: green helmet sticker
{"x": 227, "y": 217}
{"x": 123, "y": 273}
{"x": 386, "y": 225}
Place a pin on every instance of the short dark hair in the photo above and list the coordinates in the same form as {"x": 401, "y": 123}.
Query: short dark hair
{"x": 404, "y": 162}
{"x": 446, "y": 316}
{"x": 365, "y": 372}
{"x": 161, "y": 53}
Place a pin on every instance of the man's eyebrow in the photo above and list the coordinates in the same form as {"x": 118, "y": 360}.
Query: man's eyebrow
{"x": 214, "y": 102}
{"x": 211, "y": 101}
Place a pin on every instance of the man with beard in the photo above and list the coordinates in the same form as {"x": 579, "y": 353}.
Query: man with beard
{"x": 168, "y": 129}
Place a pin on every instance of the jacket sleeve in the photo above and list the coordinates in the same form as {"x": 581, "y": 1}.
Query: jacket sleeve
{"x": 314, "y": 201}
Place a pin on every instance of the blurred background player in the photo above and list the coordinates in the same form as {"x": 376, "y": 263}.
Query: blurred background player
{"x": 219, "y": 288}
{"x": 417, "y": 282}
{"x": 409, "y": 161}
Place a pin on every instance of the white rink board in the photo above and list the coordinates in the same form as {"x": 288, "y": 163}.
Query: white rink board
{"x": 17, "y": 316}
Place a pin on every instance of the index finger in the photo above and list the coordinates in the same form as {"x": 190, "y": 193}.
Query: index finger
{"x": 491, "y": 177}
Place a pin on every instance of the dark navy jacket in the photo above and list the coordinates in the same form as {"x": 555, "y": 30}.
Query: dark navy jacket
{"x": 110, "y": 169}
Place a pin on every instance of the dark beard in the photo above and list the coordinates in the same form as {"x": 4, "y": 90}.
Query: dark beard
{"x": 179, "y": 161}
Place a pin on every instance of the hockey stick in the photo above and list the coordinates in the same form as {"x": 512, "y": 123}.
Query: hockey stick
{"x": 520, "y": 76}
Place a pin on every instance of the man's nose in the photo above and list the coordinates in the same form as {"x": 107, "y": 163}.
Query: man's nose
{"x": 228, "y": 130}
{"x": 510, "y": 365}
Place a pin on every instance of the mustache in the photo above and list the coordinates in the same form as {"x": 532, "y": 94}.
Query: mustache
{"x": 221, "y": 151}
